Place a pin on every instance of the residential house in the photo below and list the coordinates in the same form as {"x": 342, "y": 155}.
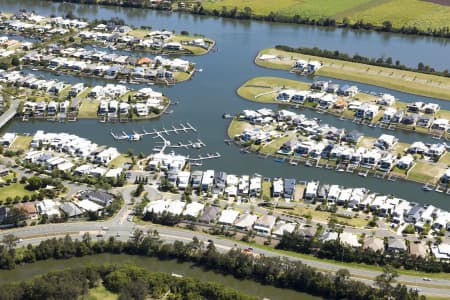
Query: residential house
{"x": 396, "y": 245}
{"x": 245, "y": 221}
{"x": 209, "y": 214}
{"x": 373, "y": 243}
{"x": 264, "y": 224}
{"x": 405, "y": 162}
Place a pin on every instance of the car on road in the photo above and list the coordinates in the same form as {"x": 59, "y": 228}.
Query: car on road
{"x": 417, "y": 289}
{"x": 118, "y": 234}
{"x": 105, "y": 228}
{"x": 426, "y": 279}
{"x": 20, "y": 241}
{"x": 130, "y": 219}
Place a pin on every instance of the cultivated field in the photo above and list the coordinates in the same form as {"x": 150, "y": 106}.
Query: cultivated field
{"x": 422, "y": 14}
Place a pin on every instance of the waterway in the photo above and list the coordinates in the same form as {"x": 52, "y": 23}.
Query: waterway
{"x": 28, "y": 271}
{"x": 204, "y": 99}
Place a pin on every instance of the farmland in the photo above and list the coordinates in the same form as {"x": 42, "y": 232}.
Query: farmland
{"x": 421, "y": 14}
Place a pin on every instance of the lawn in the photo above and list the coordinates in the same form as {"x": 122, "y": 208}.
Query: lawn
{"x": 12, "y": 190}
{"x": 22, "y": 143}
{"x": 275, "y": 145}
{"x": 88, "y": 109}
{"x": 182, "y": 76}
{"x": 266, "y": 190}
{"x": 264, "y": 89}
{"x": 424, "y": 172}
{"x": 237, "y": 127}
{"x": 101, "y": 293}
{"x": 445, "y": 159}
{"x": 120, "y": 160}
{"x": 84, "y": 93}
{"x": 405, "y": 81}
{"x": 194, "y": 49}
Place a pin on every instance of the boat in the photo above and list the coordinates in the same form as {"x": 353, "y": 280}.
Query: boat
{"x": 293, "y": 163}
{"x": 196, "y": 164}
{"x": 362, "y": 174}
{"x": 427, "y": 188}
{"x": 340, "y": 170}
{"x": 34, "y": 69}
{"x": 309, "y": 164}
{"x": 278, "y": 160}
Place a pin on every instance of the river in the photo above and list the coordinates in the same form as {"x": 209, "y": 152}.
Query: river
{"x": 28, "y": 271}
{"x": 212, "y": 92}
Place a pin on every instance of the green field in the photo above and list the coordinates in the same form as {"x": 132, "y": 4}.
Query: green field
{"x": 88, "y": 109}
{"x": 405, "y": 81}
{"x": 237, "y": 127}
{"x": 12, "y": 190}
{"x": 22, "y": 143}
{"x": 419, "y": 13}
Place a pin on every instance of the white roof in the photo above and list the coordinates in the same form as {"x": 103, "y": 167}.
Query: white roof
{"x": 228, "y": 216}
{"x": 88, "y": 205}
{"x": 193, "y": 209}
{"x": 281, "y": 228}
{"x": 246, "y": 221}
{"x": 349, "y": 239}
{"x": 157, "y": 206}
{"x": 176, "y": 207}
{"x": 113, "y": 172}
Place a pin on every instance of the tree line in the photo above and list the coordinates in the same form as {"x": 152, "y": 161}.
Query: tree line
{"x": 340, "y": 252}
{"x": 129, "y": 281}
{"x": 380, "y": 62}
{"x": 274, "y": 271}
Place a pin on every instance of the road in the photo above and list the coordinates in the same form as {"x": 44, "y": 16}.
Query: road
{"x": 120, "y": 225}
{"x": 10, "y": 113}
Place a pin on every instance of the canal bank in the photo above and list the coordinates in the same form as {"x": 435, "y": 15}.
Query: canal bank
{"x": 26, "y": 272}
{"x": 203, "y": 101}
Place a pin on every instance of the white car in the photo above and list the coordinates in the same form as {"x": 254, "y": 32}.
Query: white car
{"x": 426, "y": 279}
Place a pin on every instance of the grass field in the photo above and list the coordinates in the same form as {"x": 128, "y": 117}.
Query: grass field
{"x": 419, "y": 13}
{"x": 405, "y": 81}
{"x": 12, "y": 190}
{"x": 120, "y": 160}
{"x": 263, "y": 89}
{"x": 426, "y": 173}
{"x": 88, "y": 109}
{"x": 237, "y": 127}
{"x": 21, "y": 143}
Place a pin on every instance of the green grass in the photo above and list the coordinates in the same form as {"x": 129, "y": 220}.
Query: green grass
{"x": 275, "y": 145}
{"x": 194, "y": 49}
{"x": 88, "y": 109}
{"x": 119, "y": 161}
{"x": 182, "y": 76}
{"x": 21, "y": 143}
{"x": 84, "y": 93}
{"x": 237, "y": 127}
{"x": 12, "y": 190}
{"x": 426, "y": 173}
{"x": 264, "y": 89}
{"x": 101, "y": 293}
{"x": 421, "y": 14}
{"x": 405, "y": 81}
{"x": 266, "y": 190}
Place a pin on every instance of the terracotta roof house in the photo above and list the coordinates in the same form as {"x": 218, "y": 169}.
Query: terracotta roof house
{"x": 374, "y": 243}
{"x": 418, "y": 249}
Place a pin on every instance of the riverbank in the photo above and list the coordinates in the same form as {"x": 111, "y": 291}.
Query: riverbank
{"x": 266, "y": 90}
{"x": 405, "y": 81}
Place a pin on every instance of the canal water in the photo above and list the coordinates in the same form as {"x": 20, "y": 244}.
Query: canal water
{"x": 204, "y": 99}
{"x": 28, "y": 271}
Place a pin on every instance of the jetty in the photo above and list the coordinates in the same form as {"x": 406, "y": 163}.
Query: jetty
{"x": 136, "y": 136}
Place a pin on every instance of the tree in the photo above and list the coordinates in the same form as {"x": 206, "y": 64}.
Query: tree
{"x": 385, "y": 280}
{"x": 10, "y": 241}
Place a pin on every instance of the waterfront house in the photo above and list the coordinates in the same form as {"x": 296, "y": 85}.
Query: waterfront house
{"x": 446, "y": 177}
{"x": 333, "y": 193}
{"x": 415, "y": 107}
{"x": 386, "y": 100}
{"x": 317, "y": 150}
{"x": 356, "y": 197}
{"x": 124, "y": 108}
{"x": 196, "y": 179}
{"x": 7, "y": 139}
{"x": 388, "y": 115}
{"x": 255, "y": 186}
{"x": 348, "y": 91}
{"x": 313, "y": 66}
{"x": 332, "y": 88}
{"x": 441, "y": 220}
{"x": 417, "y": 148}
{"x": 277, "y": 187}
{"x": 440, "y": 124}
{"x": 414, "y": 214}
{"x": 311, "y": 190}
{"x": 97, "y": 92}
{"x": 106, "y": 155}
{"x": 352, "y": 137}
{"x": 52, "y": 108}
{"x": 304, "y": 148}
{"x": 327, "y": 101}
{"x": 323, "y": 192}
{"x": 431, "y": 108}
{"x": 427, "y": 215}
{"x": 299, "y": 96}
{"x": 367, "y": 111}
{"x": 385, "y": 142}
{"x": 405, "y": 162}
{"x": 64, "y": 106}
{"x": 141, "y": 109}
{"x": 371, "y": 158}
{"x": 299, "y": 64}
{"x": 398, "y": 117}
{"x": 319, "y": 85}
{"x": 183, "y": 179}
{"x": 113, "y": 107}
{"x": 344, "y": 196}
{"x": 264, "y": 224}
{"x": 424, "y": 121}
{"x": 437, "y": 150}
{"x": 220, "y": 179}
{"x": 387, "y": 162}
{"x": 102, "y": 108}
{"x": 207, "y": 180}
{"x": 243, "y": 185}
{"x": 232, "y": 183}
{"x": 245, "y": 221}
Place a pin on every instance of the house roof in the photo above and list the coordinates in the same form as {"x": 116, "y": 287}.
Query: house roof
{"x": 99, "y": 196}
{"x": 396, "y": 244}
{"x": 71, "y": 209}
{"x": 209, "y": 214}
{"x": 418, "y": 249}
{"x": 28, "y": 207}
{"x": 373, "y": 243}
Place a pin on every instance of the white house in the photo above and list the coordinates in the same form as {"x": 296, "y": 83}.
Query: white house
{"x": 405, "y": 162}
{"x": 386, "y": 142}
{"x": 228, "y": 216}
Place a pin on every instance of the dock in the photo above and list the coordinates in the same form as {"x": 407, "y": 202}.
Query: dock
{"x": 136, "y": 136}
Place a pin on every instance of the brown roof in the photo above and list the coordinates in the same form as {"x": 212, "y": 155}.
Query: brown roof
{"x": 418, "y": 249}
{"x": 144, "y": 60}
{"x": 374, "y": 243}
{"x": 28, "y": 207}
